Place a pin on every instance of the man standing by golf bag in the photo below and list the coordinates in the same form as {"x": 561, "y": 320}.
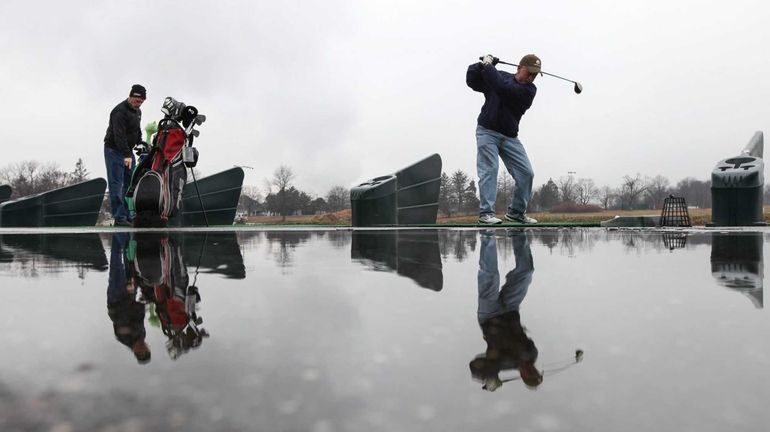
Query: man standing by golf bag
{"x": 123, "y": 134}
{"x": 506, "y": 98}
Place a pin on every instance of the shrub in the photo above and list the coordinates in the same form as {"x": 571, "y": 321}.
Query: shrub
{"x": 575, "y": 208}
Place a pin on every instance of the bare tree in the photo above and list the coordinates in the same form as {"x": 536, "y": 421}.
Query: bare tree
{"x": 606, "y": 195}
{"x": 585, "y": 191}
{"x": 338, "y": 198}
{"x": 282, "y": 179}
{"x": 250, "y": 199}
{"x": 30, "y": 177}
{"x": 630, "y": 191}
{"x": 695, "y": 192}
{"x": 567, "y": 192}
{"x": 657, "y": 190}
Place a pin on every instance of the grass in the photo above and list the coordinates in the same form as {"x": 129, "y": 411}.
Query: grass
{"x": 698, "y": 217}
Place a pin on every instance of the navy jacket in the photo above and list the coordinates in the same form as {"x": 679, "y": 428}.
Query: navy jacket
{"x": 124, "y": 131}
{"x": 506, "y": 99}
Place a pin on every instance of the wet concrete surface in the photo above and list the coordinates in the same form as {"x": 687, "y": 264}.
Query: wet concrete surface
{"x": 411, "y": 330}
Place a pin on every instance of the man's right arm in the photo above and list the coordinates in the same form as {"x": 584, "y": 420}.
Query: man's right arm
{"x": 474, "y": 79}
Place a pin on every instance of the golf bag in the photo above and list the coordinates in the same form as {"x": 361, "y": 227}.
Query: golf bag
{"x": 160, "y": 176}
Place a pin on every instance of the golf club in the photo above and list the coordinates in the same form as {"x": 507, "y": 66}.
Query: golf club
{"x": 553, "y": 368}
{"x": 578, "y": 87}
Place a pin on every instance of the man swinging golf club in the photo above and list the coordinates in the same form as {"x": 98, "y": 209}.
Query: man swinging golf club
{"x": 506, "y": 98}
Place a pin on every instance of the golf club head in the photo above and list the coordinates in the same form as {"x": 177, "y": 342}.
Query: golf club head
{"x": 578, "y": 88}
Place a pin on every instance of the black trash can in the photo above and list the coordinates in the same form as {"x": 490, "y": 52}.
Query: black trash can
{"x": 374, "y": 202}
{"x": 736, "y": 191}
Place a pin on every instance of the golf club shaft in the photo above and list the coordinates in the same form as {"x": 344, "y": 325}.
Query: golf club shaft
{"x": 544, "y": 73}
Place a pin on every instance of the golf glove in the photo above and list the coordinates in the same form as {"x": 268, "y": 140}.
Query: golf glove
{"x": 141, "y": 148}
{"x": 489, "y": 59}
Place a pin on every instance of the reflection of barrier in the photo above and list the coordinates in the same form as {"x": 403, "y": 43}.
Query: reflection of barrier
{"x": 737, "y": 263}
{"x": 737, "y": 185}
{"x": 408, "y": 197}
{"x": 413, "y": 254}
{"x": 674, "y": 213}
{"x": 84, "y": 249}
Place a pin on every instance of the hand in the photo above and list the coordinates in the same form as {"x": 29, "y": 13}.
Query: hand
{"x": 487, "y": 60}
{"x": 127, "y": 162}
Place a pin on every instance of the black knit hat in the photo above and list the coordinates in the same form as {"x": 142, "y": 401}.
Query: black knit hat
{"x": 138, "y": 90}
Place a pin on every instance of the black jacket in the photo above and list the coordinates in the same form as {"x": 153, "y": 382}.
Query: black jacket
{"x": 506, "y": 99}
{"x": 124, "y": 131}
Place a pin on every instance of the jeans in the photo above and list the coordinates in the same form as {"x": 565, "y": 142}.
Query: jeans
{"x": 116, "y": 285}
{"x": 490, "y": 145}
{"x": 494, "y": 299}
{"x": 118, "y": 181}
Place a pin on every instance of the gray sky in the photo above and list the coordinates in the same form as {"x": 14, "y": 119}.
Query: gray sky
{"x": 343, "y": 91}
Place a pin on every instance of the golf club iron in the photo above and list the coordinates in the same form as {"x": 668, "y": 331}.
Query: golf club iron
{"x": 578, "y": 87}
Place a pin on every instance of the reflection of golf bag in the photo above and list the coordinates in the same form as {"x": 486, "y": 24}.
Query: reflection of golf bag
{"x": 162, "y": 274}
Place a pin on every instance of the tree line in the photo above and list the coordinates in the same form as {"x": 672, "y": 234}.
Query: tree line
{"x": 458, "y": 193}
{"x": 31, "y": 177}
{"x": 283, "y": 198}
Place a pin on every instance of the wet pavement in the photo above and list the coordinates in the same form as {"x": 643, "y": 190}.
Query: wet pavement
{"x": 398, "y": 330}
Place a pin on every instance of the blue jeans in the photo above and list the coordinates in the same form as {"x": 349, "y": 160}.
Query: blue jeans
{"x": 495, "y": 299}
{"x": 118, "y": 181}
{"x": 490, "y": 145}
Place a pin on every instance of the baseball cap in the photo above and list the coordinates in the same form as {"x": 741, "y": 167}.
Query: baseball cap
{"x": 531, "y": 62}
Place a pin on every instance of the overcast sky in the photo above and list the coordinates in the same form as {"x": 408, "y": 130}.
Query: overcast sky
{"x": 344, "y": 91}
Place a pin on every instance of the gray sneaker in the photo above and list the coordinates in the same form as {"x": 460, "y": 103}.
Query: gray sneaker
{"x": 489, "y": 219}
{"x": 520, "y": 218}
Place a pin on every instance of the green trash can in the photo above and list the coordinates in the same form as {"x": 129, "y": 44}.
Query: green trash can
{"x": 736, "y": 191}
{"x": 374, "y": 202}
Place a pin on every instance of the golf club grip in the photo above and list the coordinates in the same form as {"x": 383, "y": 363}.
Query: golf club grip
{"x": 499, "y": 62}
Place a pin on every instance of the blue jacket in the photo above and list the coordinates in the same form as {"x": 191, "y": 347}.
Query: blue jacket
{"x": 506, "y": 100}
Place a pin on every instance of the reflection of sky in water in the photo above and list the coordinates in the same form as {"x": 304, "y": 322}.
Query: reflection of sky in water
{"x": 335, "y": 330}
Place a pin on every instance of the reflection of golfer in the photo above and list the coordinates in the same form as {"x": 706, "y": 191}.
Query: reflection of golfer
{"x": 508, "y": 346}
{"x": 126, "y": 313}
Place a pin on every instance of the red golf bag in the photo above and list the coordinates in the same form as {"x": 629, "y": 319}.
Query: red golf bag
{"x": 161, "y": 174}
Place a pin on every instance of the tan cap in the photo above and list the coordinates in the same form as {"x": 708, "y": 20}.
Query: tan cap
{"x": 531, "y": 62}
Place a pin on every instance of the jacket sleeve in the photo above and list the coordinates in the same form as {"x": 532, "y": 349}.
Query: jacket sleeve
{"x": 511, "y": 93}
{"x": 119, "y": 132}
{"x": 473, "y": 78}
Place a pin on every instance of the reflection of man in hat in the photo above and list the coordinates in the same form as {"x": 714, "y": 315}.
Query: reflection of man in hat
{"x": 506, "y": 98}
{"x": 123, "y": 134}
{"x": 508, "y": 346}
{"x": 126, "y": 313}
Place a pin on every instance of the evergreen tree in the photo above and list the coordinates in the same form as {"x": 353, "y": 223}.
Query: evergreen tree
{"x": 80, "y": 174}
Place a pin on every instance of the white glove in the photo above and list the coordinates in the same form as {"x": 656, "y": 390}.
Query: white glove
{"x": 487, "y": 60}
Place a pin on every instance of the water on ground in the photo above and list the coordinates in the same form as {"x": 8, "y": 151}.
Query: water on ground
{"x": 394, "y": 330}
